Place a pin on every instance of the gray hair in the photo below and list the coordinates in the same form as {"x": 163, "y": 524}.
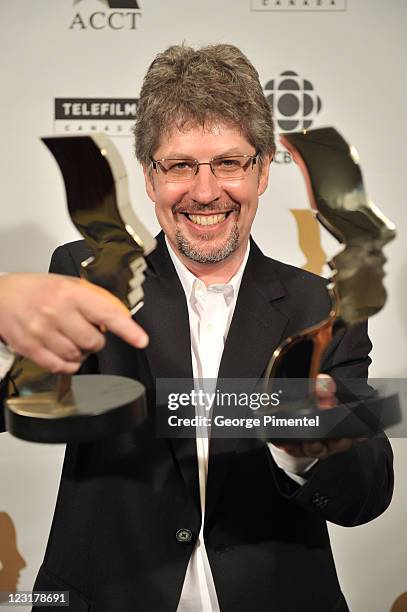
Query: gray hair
{"x": 185, "y": 87}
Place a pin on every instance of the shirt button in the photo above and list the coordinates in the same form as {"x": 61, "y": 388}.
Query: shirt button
{"x": 210, "y": 327}
{"x": 198, "y": 288}
{"x": 184, "y": 535}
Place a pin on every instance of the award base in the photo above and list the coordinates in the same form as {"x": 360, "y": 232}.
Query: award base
{"x": 303, "y": 420}
{"x": 94, "y": 407}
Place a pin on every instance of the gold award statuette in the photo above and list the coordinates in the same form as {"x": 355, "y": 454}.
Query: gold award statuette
{"x": 49, "y": 408}
{"x": 331, "y": 169}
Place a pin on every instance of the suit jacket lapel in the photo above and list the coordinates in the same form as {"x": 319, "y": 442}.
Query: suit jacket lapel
{"x": 257, "y": 328}
{"x": 258, "y": 324}
{"x": 165, "y": 318}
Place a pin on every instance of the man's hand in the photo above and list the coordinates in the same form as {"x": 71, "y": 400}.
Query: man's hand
{"x": 57, "y": 320}
{"x": 320, "y": 449}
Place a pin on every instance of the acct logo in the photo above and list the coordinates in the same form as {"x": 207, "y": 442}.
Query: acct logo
{"x": 117, "y": 3}
{"x": 111, "y": 18}
{"x": 293, "y": 100}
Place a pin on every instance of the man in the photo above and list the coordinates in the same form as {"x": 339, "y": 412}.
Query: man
{"x": 149, "y": 524}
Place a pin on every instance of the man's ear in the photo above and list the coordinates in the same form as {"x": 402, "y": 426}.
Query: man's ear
{"x": 264, "y": 174}
{"x": 149, "y": 182}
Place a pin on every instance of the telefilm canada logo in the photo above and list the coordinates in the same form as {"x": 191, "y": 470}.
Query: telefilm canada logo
{"x": 298, "y": 5}
{"x": 295, "y": 105}
{"x": 113, "y": 15}
{"x": 114, "y": 116}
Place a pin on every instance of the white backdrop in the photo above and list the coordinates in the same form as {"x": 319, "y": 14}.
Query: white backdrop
{"x": 354, "y": 58}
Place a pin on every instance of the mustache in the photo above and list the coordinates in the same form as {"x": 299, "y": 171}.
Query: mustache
{"x": 195, "y": 207}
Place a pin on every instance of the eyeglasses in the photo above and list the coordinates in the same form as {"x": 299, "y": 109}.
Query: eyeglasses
{"x": 230, "y": 167}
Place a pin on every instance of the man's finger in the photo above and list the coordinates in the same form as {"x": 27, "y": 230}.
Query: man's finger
{"x": 340, "y": 445}
{"x": 316, "y": 449}
{"x": 124, "y": 327}
{"x": 325, "y": 388}
{"x": 63, "y": 347}
{"x": 292, "y": 449}
{"x": 53, "y": 363}
{"x": 85, "y": 335}
{"x": 113, "y": 315}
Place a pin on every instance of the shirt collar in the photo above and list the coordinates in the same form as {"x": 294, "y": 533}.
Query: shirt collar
{"x": 189, "y": 281}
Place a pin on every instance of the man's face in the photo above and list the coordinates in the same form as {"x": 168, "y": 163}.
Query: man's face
{"x": 206, "y": 218}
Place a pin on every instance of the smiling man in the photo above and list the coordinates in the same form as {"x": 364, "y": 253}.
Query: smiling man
{"x": 148, "y": 524}
{"x": 207, "y": 212}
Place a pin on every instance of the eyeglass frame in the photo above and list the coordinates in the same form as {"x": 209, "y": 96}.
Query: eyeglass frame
{"x": 156, "y": 163}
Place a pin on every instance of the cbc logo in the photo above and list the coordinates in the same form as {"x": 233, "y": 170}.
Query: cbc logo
{"x": 293, "y": 101}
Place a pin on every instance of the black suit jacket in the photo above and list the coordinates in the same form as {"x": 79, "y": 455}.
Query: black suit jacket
{"x": 122, "y": 500}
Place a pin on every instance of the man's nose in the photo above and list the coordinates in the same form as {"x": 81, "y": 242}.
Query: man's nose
{"x": 204, "y": 186}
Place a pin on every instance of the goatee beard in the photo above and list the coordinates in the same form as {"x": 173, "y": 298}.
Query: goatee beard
{"x": 214, "y": 256}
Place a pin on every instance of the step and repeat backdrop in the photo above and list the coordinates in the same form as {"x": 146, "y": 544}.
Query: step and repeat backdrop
{"x": 76, "y": 66}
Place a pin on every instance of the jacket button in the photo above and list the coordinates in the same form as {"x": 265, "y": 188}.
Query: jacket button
{"x": 320, "y": 501}
{"x": 184, "y": 535}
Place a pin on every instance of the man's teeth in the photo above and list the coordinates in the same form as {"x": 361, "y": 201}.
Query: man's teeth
{"x": 207, "y": 220}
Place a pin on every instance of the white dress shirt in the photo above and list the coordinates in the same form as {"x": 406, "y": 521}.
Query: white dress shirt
{"x": 210, "y": 312}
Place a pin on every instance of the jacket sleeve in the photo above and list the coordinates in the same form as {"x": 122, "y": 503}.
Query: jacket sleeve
{"x": 63, "y": 262}
{"x": 355, "y": 486}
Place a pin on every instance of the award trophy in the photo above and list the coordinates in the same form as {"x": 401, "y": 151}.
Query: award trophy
{"x": 335, "y": 188}
{"x": 49, "y": 408}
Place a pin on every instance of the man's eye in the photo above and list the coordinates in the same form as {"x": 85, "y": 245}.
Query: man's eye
{"x": 228, "y": 163}
{"x": 180, "y": 165}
